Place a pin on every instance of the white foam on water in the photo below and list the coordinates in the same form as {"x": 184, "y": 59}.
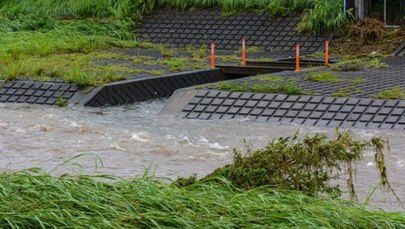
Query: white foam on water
{"x": 401, "y": 163}
{"x": 116, "y": 146}
{"x": 140, "y": 137}
{"x": 218, "y": 146}
{"x": 371, "y": 164}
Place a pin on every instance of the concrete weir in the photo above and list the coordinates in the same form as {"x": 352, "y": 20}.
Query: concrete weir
{"x": 130, "y": 91}
{"x": 310, "y": 110}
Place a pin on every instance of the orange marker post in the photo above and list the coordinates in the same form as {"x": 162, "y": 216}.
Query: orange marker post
{"x": 243, "y": 51}
{"x": 212, "y": 55}
{"x": 326, "y": 52}
{"x": 297, "y": 58}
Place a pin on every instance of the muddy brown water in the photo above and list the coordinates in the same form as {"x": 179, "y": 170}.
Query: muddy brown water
{"x": 125, "y": 141}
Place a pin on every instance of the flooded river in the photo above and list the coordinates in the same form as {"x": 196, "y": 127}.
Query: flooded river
{"x": 127, "y": 140}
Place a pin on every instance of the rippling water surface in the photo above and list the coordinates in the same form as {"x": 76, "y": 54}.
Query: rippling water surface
{"x": 124, "y": 141}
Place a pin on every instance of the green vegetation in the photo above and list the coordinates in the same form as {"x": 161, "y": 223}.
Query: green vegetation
{"x": 42, "y": 201}
{"x": 288, "y": 88}
{"x": 61, "y": 102}
{"x": 346, "y": 91}
{"x": 268, "y": 78}
{"x": 281, "y": 186}
{"x": 327, "y": 15}
{"x": 306, "y": 165}
{"x": 323, "y": 76}
{"x": 176, "y": 63}
{"x": 166, "y": 52}
{"x": 393, "y": 93}
{"x": 198, "y": 54}
{"x": 376, "y": 63}
{"x": 49, "y": 31}
{"x": 358, "y": 80}
{"x": 358, "y": 64}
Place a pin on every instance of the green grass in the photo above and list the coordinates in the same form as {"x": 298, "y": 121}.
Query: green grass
{"x": 359, "y": 64}
{"x": 358, "y": 80}
{"x": 393, "y": 93}
{"x": 289, "y": 88}
{"x": 166, "y": 52}
{"x": 346, "y": 91}
{"x": 323, "y": 15}
{"x": 37, "y": 36}
{"x": 327, "y": 15}
{"x": 323, "y": 76}
{"x": 42, "y": 201}
{"x": 175, "y": 64}
{"x": 268, "y": 78}
{"x": 376, "y": 63}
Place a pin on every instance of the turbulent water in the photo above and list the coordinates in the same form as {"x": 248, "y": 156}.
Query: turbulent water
{"x": 126, "y": 141}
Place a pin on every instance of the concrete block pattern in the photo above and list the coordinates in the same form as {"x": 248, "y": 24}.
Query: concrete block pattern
{"x": 131, "y": 91}
{"x": 372, "y": 82}
{"x": 45, "y": 93}
{"x": 307, "y": 110}
{"x": 200, "y": 27}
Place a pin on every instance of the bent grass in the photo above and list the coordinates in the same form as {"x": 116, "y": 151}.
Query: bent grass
{"x": 80, "y": 201}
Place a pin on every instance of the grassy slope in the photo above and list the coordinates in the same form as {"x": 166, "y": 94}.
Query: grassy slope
{"x": 55, "y": 37}
{"x": 79, "y": 202}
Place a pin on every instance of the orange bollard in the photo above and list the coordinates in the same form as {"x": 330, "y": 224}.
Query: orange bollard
{"x": 326, "y": 52}
{"x": 243, "y": 51}
{"x": 297, "y": 58}
{"x": 212, "y": 55}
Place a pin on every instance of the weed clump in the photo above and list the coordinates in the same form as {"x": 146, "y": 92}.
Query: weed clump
{"x": 346, "y": 91}
{"x": 376, "y": 63}
{"x": 289, "y": 88}
{"x": 393, "y": 93}
{"x": 323, "y": 76}
{"x": 304, "y": 165}
{"x": 368, "y": 30}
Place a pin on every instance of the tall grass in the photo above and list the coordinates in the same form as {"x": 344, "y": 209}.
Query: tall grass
{"x": 45, "y": 28}
{"x": 42, "y": 201}
{"x": 73, "y": 8}
{"x": 323, "y": 15}
{"x": 69, "y": 37}
{"x": 327, "y": 15}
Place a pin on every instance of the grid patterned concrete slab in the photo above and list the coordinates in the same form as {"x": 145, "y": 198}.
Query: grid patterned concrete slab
{"x": 199, "y": 27}
{"x": 278, "y": 108}
{"x": 45, "y": 93}
{"x": 130, "y": 91}
{"x": 400, "y": 51}
{"x": 360, "y": 84}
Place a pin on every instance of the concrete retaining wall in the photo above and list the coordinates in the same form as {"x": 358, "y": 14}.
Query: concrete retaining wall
{"x": 130, "y": 91}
